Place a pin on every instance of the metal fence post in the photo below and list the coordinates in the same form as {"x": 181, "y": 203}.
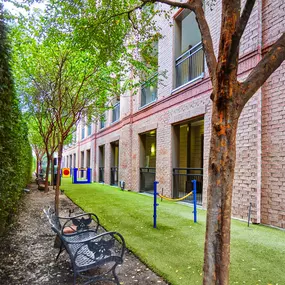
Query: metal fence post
{"x": 154, "y": 202}
{"x": 195, "y": 200}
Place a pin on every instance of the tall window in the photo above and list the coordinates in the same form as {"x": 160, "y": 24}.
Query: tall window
{"x": 149, "y": 85}
{"x": 89, "y": 129}
{"x": 149, "y": 91}
{"x": 83, "y": 132}
{"x": 103, "y": 121}
{"x": 189, "y": 62}
{"x": 116, "y": 111}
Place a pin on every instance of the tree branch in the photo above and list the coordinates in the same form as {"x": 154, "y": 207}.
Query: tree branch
{"x": 185, "y": 5}
{"x": 270, "y": 62}
{"x": 206, "y": 40}
{"x": 240, "y": 28}
{"x": 245, "y": 17}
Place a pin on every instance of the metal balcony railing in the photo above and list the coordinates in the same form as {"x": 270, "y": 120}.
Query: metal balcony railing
{"x": 101, "y": 174}
{"x": 114, "y": 176}
{"x": 147, "y": 177}
{"x": 149, "y": 91}
{"x": 190, "y": 65}
{"x": 116, "y": 112}
{"x": 182, "y": 184}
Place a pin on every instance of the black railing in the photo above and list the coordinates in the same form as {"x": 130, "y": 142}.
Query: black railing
{"x": 182, "y": 184}
{"x": 114, "y": 176}
{"x": 190, "y": 65}
{"x": 147, "y": 177}
{"x": 116, "y": 112}
{"x": 101, "y": 174}
{"x": 149, "y": 91}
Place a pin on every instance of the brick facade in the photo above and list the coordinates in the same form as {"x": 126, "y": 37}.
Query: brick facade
{"x": 260, "y": 164}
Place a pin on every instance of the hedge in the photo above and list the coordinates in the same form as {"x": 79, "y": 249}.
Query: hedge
{"x": 15, "y": 150}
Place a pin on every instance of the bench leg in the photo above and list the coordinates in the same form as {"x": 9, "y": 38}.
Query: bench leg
{"x": 115, "y": 276}
{"x": 74, "y": 278}
{"x": 61, "y": 249}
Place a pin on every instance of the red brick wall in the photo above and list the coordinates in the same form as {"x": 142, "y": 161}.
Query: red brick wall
{"x": 260, "y": 164}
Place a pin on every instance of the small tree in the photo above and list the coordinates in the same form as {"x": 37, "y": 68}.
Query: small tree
{"x": 65, "y": 78}
{"x": 37, "y": 144}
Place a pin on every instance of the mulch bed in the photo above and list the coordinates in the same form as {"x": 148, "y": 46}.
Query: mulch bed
{"x": 27, "y": 255}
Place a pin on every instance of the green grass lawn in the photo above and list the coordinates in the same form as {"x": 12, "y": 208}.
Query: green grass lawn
{"x": 175, "y": 249}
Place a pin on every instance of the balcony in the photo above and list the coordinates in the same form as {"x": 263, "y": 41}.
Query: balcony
{"x": 116, "y": 112}
{"x": 149, "y": 91}
{"x": 190, "y": 65}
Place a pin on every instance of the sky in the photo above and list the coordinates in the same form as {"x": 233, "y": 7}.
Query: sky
{"x": 14, "y": 10}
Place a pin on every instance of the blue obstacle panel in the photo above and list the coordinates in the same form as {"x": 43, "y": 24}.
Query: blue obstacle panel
{"x": 75, "y": 178}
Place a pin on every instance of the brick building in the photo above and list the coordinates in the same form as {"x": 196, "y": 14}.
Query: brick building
{"x": 163, "y": 131}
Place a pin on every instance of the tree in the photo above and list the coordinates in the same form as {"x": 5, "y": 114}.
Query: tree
{"x": 36, "y": 142}
{"x": 229, "y": 97}
{"x": 62, "y": 76}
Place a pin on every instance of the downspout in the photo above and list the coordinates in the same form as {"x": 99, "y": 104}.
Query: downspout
{"x": 259, "y": 120}
{"x": 131, "y": 135}
{"x": 95, "y": 152}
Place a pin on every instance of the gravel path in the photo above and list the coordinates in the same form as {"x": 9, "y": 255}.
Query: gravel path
{"x": 27, "y": 255}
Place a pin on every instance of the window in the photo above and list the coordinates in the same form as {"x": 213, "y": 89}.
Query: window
{"x": 116, "y": 112}
{"x": 74, "y": 138}
{"x": 149, "y": 91}
{"x": 189, "y": 63}
{"x": 102, "y": 121}
{"x": 82, "y": 132}
{"x": 149, "y": 86}
{"x": 89, "y": 129}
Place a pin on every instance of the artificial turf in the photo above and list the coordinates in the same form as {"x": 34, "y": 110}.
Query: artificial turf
{"x": 175, "y": 249}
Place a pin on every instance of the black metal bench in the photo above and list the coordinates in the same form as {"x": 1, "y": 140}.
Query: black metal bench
{"x": 87, "y": 249}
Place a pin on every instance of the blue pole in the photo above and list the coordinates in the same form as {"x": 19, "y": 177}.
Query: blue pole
{"x": 154, "y": 202}
{"x": 89, "y": 175}
{"x": 74, "y": 177}
{"x": 195, "y": 200}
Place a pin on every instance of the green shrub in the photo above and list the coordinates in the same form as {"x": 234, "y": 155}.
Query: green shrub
{"x": 15, "y": 150}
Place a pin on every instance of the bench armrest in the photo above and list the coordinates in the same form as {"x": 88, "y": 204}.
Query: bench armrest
{"x": 79, "y": 223}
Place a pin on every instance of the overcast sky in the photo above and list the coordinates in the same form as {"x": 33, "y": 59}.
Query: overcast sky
{"x": 15, "y": 10}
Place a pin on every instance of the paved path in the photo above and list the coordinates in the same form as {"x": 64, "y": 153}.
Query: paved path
{"x": 27, "y": 255}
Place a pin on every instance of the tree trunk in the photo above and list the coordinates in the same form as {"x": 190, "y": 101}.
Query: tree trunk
{"x": 38, "y": 166}
{"x": 52, "y": 170}
{"x": 47, "y": 174}
{"x": 60, "y": 149}
{"x": 220, "y": 186}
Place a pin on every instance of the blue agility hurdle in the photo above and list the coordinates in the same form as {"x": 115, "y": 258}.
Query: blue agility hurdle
{"x": 75, "y": 179}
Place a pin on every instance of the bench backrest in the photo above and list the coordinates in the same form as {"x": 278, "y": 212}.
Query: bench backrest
{"x": 53, "y": 219}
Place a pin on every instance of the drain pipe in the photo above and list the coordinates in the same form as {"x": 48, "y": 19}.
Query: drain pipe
{"x": 249, "y": 213}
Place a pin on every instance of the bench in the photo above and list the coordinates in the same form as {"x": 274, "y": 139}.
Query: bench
{"x": 93, "y": 256}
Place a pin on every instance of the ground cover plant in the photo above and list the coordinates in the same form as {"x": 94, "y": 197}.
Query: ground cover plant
{"x": 175, "y": 249}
